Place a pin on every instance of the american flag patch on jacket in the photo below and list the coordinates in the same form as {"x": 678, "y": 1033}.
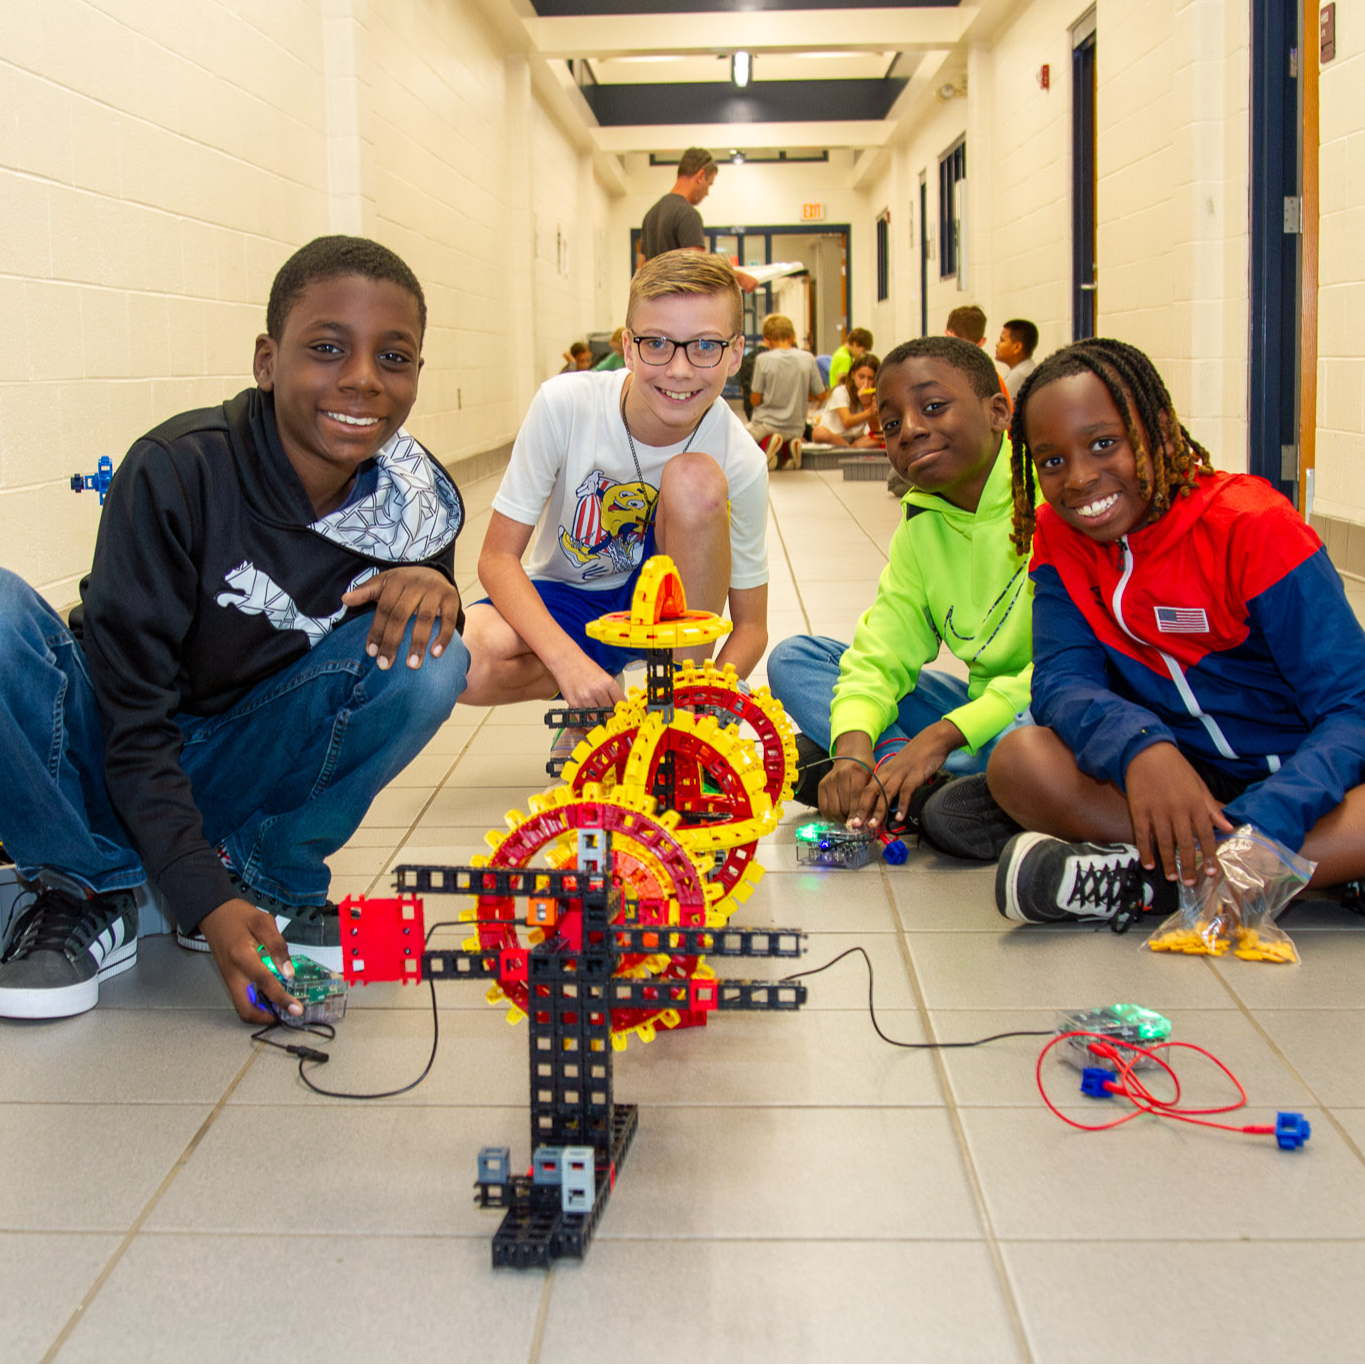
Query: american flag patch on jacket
{"x": 1182, "y": 620}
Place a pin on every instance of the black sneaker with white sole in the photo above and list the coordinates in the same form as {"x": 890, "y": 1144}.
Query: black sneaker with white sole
{"x": 311, "y": 930}
{"x": 63, "y": 946}
{"x": 1042, "y": 880}
{"x": 812, "y": 763}
{"x": 962, "y": 818}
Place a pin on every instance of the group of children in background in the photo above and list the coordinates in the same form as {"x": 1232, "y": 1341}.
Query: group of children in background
{"x": 1156, "y": 653}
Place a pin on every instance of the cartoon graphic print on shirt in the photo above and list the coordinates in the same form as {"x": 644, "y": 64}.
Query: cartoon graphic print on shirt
{"x": 609, "y": 525}
{"x": 253, "y": 591}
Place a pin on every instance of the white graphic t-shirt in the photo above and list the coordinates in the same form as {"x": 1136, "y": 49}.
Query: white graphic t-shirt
{"x": 572, "y": 477}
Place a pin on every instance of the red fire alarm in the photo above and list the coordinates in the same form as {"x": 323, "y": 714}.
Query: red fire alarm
{"x": 1045, "y": 76}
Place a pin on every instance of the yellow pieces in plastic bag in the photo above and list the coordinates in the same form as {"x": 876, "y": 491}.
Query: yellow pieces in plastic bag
{"x": 1255, "y": 948}
{"x": 1189, "y": 941}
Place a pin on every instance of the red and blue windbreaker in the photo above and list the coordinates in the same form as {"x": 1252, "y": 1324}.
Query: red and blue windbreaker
{"x": 1222, "y": 628}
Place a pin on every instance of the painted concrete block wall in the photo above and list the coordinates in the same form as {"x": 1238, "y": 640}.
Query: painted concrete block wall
{"x": 154, "y": 174}
{"x": 1340, "y": 478}
{"x": 1172, "y": 204}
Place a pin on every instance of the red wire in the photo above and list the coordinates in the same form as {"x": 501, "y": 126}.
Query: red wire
{"x": 1123, "y": 1057}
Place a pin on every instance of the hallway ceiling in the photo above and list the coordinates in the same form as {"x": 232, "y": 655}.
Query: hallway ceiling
{"x": 827, "y": 74}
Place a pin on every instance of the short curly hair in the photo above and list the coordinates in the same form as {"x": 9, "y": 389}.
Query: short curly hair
{"x": 961, "y": 355}
{"x": 326, "y": 258}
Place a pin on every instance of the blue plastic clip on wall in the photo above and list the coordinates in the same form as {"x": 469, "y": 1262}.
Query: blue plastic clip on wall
{"x": 97, "y": 482}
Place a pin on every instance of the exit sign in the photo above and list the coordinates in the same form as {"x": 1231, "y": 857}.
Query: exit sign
{"x": 812, "y": 212}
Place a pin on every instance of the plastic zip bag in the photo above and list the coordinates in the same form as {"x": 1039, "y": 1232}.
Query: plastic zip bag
{"x": 1236, "y": 910}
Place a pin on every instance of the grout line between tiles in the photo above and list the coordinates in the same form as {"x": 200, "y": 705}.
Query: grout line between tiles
{"x": 146, "y": 1212}
{"x": 786, "y": 555}
{"x": 836, "y": 489}
{"x": 1016, "y": 1317}
{"x": 1324, "y": 1109}
{"x": 542, "y": 1313}
{"x": 436, "y": 789}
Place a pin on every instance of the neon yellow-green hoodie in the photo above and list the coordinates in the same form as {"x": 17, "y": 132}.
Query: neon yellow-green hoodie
{"x": 952, "y": 577}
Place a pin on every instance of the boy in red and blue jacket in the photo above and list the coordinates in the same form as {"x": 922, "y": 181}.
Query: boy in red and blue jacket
{"x": 1196, "y": 664}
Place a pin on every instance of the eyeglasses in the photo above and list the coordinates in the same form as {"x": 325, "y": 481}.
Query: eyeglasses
{"x": 701, "y": 352}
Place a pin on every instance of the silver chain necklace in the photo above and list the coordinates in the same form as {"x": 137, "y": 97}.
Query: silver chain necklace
{"x": 625, "y": 389}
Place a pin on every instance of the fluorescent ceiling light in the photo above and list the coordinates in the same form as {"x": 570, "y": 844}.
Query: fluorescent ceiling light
{"x": 741, "y": 67}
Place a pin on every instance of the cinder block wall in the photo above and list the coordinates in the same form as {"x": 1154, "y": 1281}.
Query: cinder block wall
{"x": 159, "y": 160}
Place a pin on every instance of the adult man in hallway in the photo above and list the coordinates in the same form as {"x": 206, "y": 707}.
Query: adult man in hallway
{"x": 673, "y": 223}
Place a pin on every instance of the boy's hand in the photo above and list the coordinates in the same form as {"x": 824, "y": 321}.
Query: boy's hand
{"x": 582, "y": 683}
{"x": 903, "y": 774}
{"x": 842, "y": 788}
{"x": 233, "y": 931}
{"x": 409, "y": 592}
{"x": 1172, "y": 812}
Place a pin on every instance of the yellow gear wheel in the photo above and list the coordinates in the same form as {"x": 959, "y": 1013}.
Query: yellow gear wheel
{"x": 727, "y": 821}
{"x": 718, "y": 689}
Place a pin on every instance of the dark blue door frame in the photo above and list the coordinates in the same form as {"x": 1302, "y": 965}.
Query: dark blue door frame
{"x": 1083, "y": 273}
{"x": 1275, "y": 267}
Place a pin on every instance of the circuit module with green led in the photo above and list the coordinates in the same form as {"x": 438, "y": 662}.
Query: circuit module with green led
{"x": 826, "y": 843}
{"x": 322, "y": 993}
{"x": 1122, "y": 1023}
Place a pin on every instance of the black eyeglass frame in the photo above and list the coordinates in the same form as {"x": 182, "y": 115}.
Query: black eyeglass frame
{"x": 683, "y": 345}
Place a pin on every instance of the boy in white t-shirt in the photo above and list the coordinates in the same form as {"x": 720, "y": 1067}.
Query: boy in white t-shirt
{"x": 611, "y": 467}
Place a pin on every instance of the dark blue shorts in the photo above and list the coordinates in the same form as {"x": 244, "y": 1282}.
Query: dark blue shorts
{"x": 573, "y": 607}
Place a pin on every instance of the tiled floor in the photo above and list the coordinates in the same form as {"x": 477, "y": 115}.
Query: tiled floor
{"x": 798, "y": 1189}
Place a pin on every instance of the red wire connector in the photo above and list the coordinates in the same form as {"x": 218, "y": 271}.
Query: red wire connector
{"x": 1289, "y": 1130}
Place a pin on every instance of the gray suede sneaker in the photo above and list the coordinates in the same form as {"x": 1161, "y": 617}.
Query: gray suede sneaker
{"x": 311, "y": 930}
{"x": 63, "y": 946}
{"x": 962, "y": 818}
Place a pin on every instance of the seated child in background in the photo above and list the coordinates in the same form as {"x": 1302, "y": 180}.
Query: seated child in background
{"x": 859, "y": 343}
{"x": 850, "y": 416}
{"x": 785, "y": 380}
{"x": 609, "y": 468}
{"x": 226, "y": 707}
{"x": 1197, "y": 665}
{"x": 953, "y": 576}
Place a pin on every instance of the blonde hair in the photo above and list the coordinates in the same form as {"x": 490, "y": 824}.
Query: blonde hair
{"x": 778, "y": 327}
{"x": 676, "y": 273}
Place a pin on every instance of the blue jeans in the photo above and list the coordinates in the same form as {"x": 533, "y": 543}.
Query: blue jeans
{"x": 802, "y": 672}
{"x": 282, "y": 779}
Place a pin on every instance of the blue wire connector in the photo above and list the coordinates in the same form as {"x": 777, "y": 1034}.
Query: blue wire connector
{"x": 97, "y": 482}
{"x": 1095, "y": 1082}
{"x": 1291, "y": 1130}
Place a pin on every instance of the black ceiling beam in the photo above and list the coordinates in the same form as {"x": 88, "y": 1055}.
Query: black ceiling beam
{"x": 652, "y": 105}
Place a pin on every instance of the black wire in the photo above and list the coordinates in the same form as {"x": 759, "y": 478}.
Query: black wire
{"x": 895, "y": 1042}
{"x": 308, "y": 1054}
{"x": 382, "y": 1094}
{"x": 872, "y": 771}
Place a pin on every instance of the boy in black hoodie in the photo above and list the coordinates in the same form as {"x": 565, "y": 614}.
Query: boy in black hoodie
{"x": 267, "y": 636}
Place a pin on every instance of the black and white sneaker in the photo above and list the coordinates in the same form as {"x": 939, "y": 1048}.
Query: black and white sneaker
{"x": 812, "y": 763}
{"x": 1042, "y": 880}
{"x": 64, "y": 945}
{"x": 962, "y": 818}
{"x": 311, "y": 930}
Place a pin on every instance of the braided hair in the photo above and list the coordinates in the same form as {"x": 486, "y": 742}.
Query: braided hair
{"x": 1123, "y": 370}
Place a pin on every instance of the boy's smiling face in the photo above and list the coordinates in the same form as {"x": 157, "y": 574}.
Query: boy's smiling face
{"x": 344, "y": 376}
{"x": 940, "y": 433}
{"x": 1086, "y": 466}
{"x": 665, "y": 402}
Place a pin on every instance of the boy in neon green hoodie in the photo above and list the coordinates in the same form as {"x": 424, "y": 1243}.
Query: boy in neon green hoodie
{"x": 953, "y": 577}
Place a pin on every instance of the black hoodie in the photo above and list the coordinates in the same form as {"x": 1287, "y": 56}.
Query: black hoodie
{"x": 211, "y": 574}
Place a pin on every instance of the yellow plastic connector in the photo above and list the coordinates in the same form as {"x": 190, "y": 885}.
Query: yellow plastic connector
{"x": 658, "y": 617}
